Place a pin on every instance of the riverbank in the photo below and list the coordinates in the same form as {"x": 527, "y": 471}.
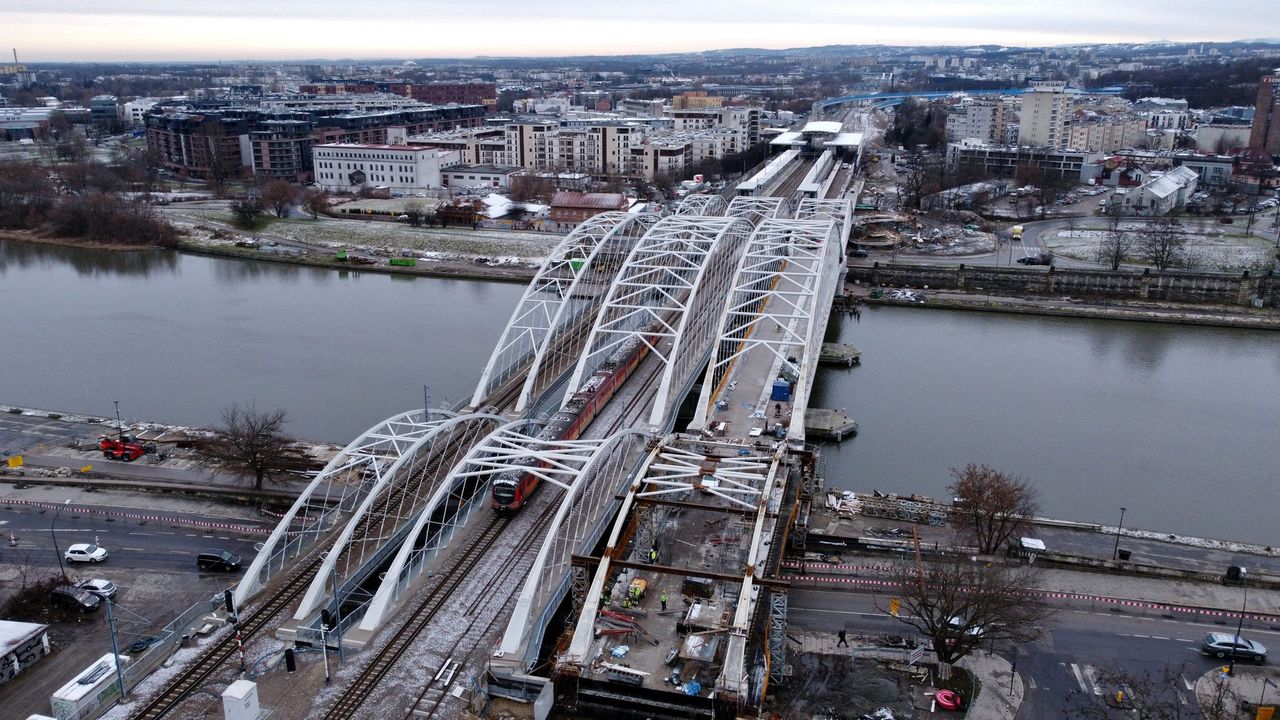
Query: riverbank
{"x": 31, "y": 236}
{"x": 1173, "y": 313}
{"x": 456, "y": 269}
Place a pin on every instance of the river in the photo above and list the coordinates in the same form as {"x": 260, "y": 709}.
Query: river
{"x": 1178, "y": 424}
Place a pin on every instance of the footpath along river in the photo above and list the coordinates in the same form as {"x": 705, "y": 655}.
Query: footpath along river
{"x": 1181, "y": 425}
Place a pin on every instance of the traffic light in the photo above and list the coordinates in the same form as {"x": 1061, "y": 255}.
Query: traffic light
{"x": 290, "y": 664}
{"x": 229, "y": 599}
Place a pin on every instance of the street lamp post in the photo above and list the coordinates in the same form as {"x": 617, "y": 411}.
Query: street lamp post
{"x": 56, "y": 550}
{"x": 1115, "y": 554}
{"x": 1231, "y": 665}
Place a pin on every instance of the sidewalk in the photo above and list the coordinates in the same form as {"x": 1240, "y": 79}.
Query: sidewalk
{"x": 1239, "y": 694}
{"x": 1000, "y": 689}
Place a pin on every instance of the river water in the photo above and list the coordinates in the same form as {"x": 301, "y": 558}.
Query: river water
{"x": 1178, "y": 424}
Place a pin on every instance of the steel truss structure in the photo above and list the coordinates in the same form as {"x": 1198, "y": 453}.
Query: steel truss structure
{"x": 841, "y": 211}
{"x": 390, "y": 506}
{"x": 667, "y": 295}
{"x": 541, "y": 338}
{"x": 362, "y": 466}
{"x": 686, "y": 466}
{"x": 577, "y": 526}
{"x": 785, "y": 279}
{"x": 757, "y": 209}
{"x": 705, "y": 205}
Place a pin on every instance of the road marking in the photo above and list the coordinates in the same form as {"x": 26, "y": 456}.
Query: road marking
{"x": 1187, "y": 683}
{"x": 1093, "y": 679}
{"x": 1031, "y": 682}
{"x": 178, "y": 552}
{"x": 136, "y": 549}
{"x": 1159, "y": 637}
{"x": 1079, "y": 678}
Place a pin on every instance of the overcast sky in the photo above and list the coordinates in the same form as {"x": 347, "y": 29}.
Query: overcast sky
{"x": 54, "y": 30}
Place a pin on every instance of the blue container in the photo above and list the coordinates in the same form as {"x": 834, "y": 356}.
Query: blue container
{"x": 781, "y": 390}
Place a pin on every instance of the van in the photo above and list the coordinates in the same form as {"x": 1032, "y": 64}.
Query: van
{"x": 217, "y": 560}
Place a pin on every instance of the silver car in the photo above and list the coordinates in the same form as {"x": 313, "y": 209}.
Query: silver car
{"x": 1221, "y": 645}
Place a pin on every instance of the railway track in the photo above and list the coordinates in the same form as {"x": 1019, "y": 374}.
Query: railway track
{"x": 349, "y": 704}
{"x": 434, "y": 692}
{"x": 199, "y": 671}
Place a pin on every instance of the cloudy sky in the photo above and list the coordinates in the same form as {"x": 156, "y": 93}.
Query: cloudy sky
{"x": 54, "y": 30}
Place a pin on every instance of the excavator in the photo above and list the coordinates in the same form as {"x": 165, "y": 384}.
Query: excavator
{"x": 124, "y": 448}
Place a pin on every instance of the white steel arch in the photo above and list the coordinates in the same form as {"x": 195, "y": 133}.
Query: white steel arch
{"x": 757, "y": 209}
{"x": 780, "y": 300}
{"x": 567, "y": 289}
{"x": 391, "y": 503}
{"x": 702, "y": 205}
{"x": 513, "y": 446}
{"x": 841, "y": 211}
{"x": 665, "y": 298}
{"x": 363, "y": 464}
{"x": 578, "y": 522}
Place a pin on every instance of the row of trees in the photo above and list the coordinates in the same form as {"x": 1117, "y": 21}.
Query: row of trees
{"x": 279, "y": 197}
{"x": 73, "y": 202}
{"x": 1160, "y": 241}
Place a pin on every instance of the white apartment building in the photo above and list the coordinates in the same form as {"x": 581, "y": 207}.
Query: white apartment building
{"x": 134, "y": 111}
{"x": 1045, "y": 111}
{"x": 984, "y": 120}
{"x": 349, "y": 167}
{"x": 1107, "y": 135}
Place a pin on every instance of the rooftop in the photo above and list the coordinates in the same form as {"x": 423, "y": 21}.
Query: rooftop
{"x": 598, "y": 201}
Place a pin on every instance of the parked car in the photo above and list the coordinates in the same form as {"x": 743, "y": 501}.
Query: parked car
{"x": 85, "y": 552}
{"x": 1221, "y": 645}
{"x": 98, "y": 586}
{"x": 216, "y": 559}
{"x": 73, "y": 598}
{"x": 858, "y": 253}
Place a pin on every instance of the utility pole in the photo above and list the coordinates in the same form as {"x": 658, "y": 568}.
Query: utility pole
{"x": 115, "y": 650}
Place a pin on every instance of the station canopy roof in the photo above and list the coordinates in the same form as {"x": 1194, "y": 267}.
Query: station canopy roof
{"x": 827, "y": 127}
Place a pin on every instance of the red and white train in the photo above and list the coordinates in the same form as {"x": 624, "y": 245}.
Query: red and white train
{"x": 512, "y": 489}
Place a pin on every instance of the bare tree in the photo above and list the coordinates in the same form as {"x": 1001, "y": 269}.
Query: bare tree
{"x": 279, "y": 195}
{"x": 960, "y": 604}
{"x": 253, "y": 443}
{"x": 993, "y": 507}
{"x": 1115, "y": 247}
{"x": 1161, "y": 242}
{"x": 315, "y": 201}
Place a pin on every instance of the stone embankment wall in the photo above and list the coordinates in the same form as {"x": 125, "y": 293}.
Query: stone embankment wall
{"x": 1245, "y": 289}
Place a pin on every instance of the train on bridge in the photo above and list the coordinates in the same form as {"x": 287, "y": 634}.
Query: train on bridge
{"x": 513, "y": 488}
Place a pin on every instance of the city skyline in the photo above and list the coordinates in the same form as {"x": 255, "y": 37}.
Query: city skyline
{"x": 148, "y": 30}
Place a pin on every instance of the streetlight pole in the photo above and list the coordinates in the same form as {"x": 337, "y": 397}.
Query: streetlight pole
{"x": 1231, "y": 665}
{"x": 56, "y": 550}
{"x": 1115, "y": 554}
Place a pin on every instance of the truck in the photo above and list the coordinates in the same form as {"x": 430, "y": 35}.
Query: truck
{"x": 119, "y": 446}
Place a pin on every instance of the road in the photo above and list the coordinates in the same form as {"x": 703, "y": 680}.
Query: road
{"x": 1063, "y": 667}
{"x": 151, "y": 545}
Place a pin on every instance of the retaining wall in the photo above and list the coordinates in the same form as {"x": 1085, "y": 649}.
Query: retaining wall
{"x": 1183, "y": 287}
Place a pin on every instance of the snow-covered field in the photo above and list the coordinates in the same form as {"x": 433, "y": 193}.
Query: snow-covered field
{"x": 448, "y": 242}
{"x": 1210, "y": 248}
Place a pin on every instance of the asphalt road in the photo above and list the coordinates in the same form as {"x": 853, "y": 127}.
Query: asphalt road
{"x": 1062, "y": 668}
{"x": 18, "y": 432}
{"x": 155, "y": 545}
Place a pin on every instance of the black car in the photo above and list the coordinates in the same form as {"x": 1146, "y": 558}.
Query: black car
{"x": 215, "y": 559}
{"x": 858, "y": 253}
{"x": 74, "y": 598}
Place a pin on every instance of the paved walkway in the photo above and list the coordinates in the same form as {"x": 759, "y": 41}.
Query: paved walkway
{"x": 1239, "y": 694}
{"x": 1000, "y": 688}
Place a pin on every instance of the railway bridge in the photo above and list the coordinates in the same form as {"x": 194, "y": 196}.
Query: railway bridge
{"x": 721, "y": 307}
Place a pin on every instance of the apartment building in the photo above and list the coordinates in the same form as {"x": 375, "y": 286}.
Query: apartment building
{"x": 1107, "y": 134}
{"x": 981, "y": 119}
{"x": 477, "y": 146}
{"x": 401, "y": 168}
{"x": 1045, "y": 112}
{"x": 989, "y": 161}
{"x": 281, "y": 149}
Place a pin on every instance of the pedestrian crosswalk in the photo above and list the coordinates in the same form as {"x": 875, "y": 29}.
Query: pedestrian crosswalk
{"x": 1086, "y": 676}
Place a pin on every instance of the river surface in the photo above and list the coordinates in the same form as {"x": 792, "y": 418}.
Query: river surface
{"x": 1178, "y": 424}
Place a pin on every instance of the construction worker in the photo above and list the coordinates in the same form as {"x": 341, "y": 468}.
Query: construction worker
{"x": 663, "y": 600}
{"x": 653, "y": 555}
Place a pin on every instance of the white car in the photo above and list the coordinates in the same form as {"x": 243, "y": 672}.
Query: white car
{"x": 85, "y": 552}
{"x": 101, "y": 587}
